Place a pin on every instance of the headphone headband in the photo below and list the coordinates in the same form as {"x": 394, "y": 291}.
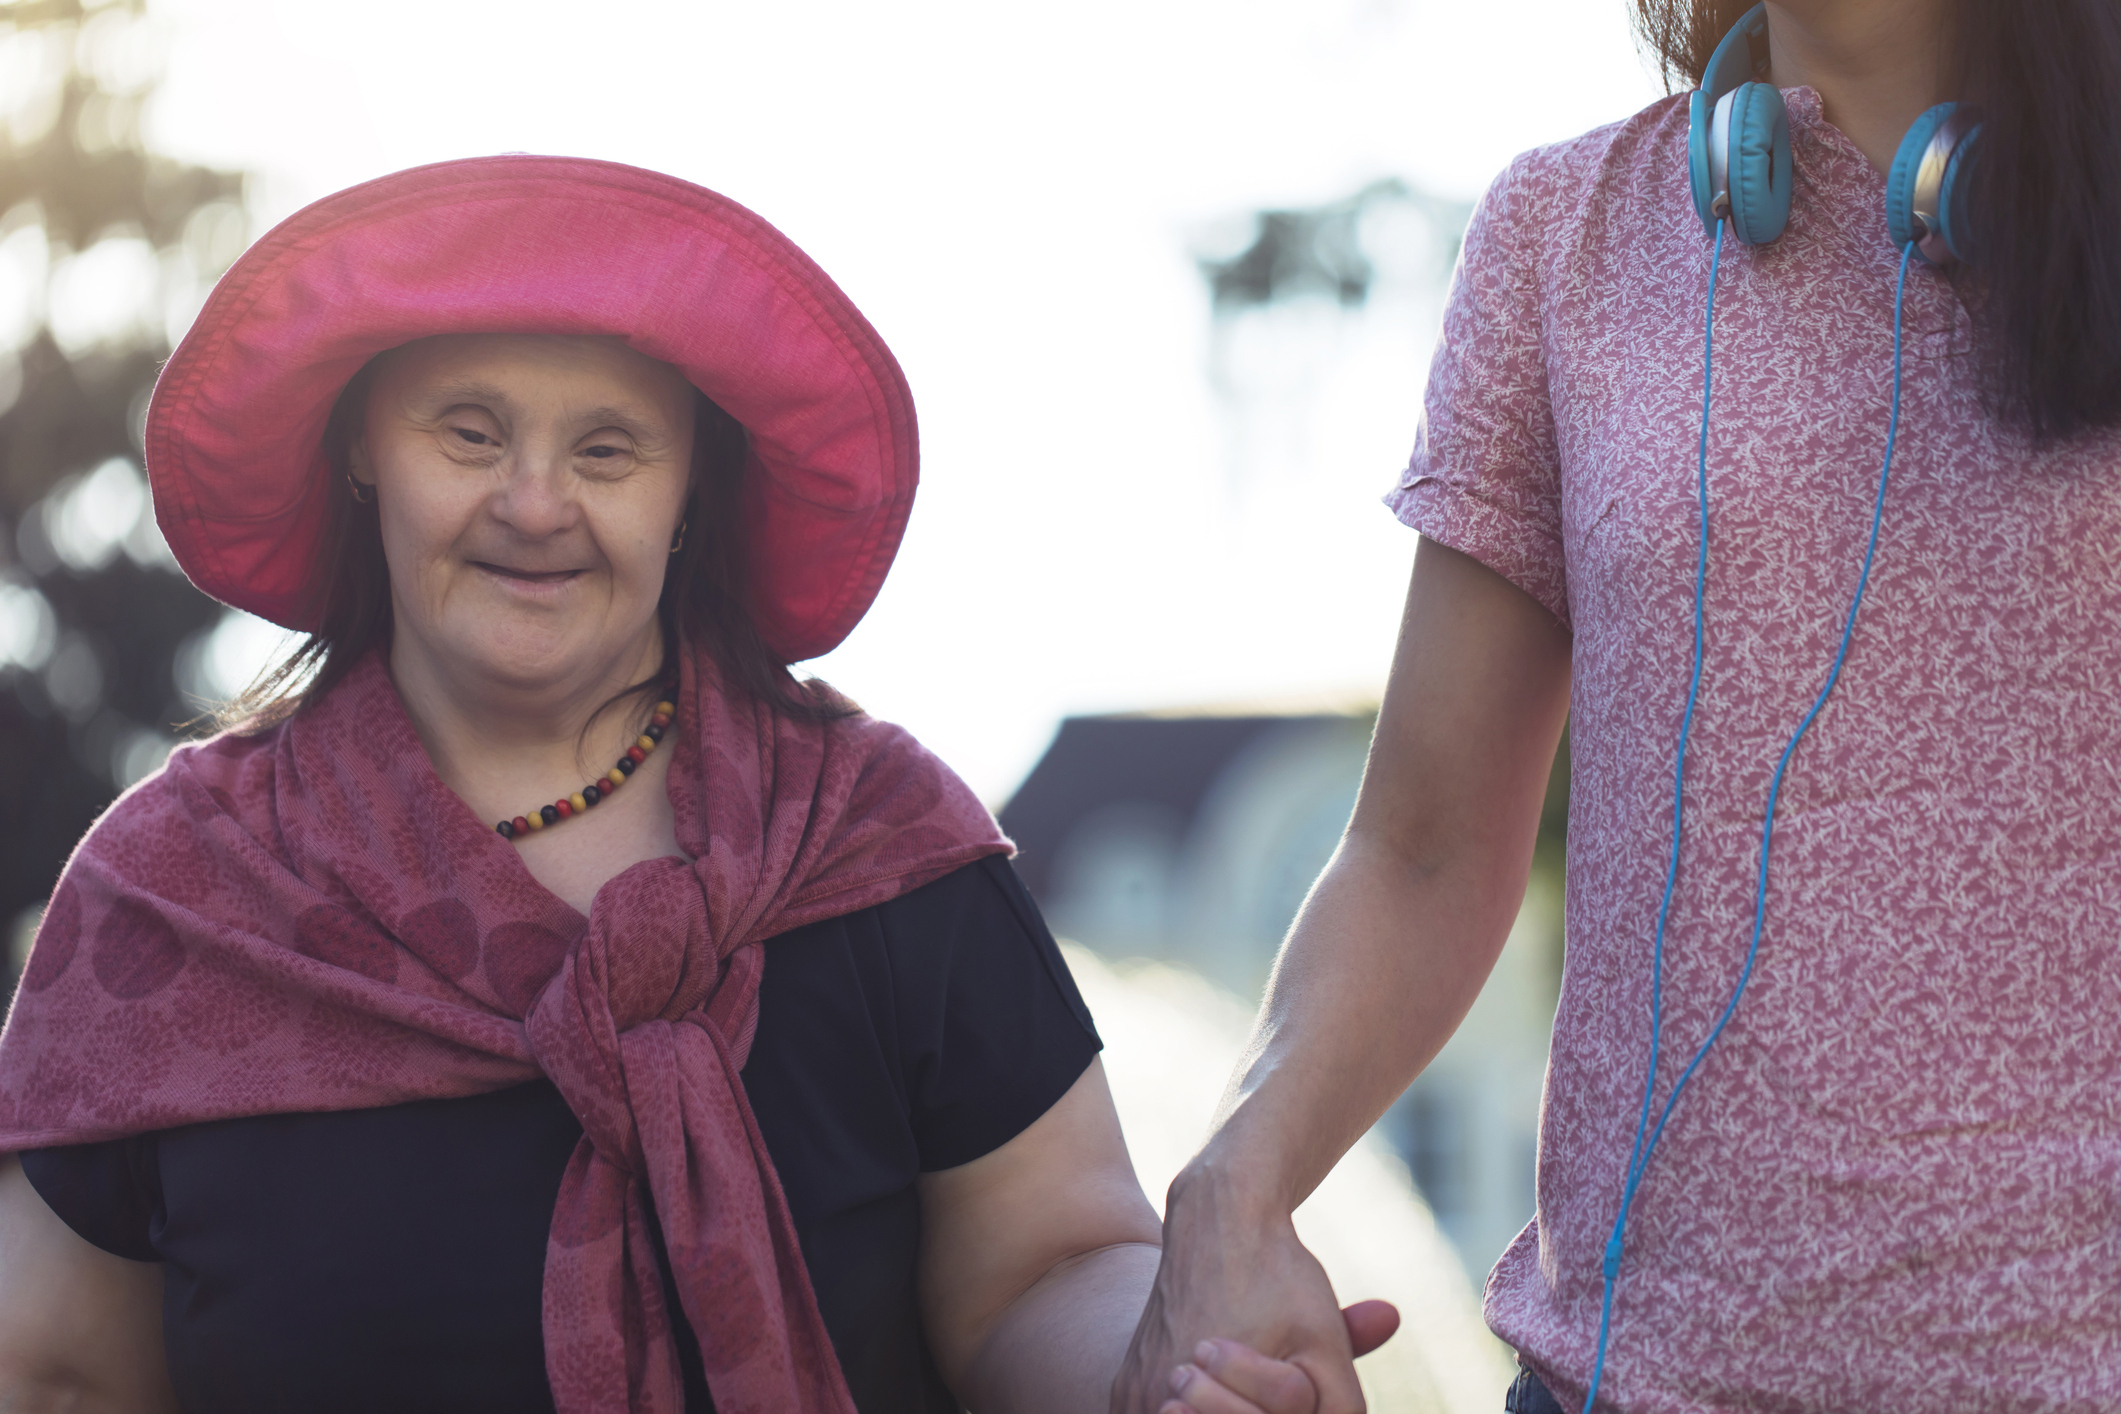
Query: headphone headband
{"x": 1740, "y": 57}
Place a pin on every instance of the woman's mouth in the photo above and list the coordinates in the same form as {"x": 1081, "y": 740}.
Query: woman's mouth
{"x": 523, "y": 576}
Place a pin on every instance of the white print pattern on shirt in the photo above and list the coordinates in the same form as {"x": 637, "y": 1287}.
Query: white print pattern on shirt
{"x": 1896, "y": 1183}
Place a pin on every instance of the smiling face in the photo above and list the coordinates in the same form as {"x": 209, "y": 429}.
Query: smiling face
{"x": 528, "y": 488}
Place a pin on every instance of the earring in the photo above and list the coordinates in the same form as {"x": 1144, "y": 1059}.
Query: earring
{"x": 677, "y": 541}
{"x": 357, "y": 489}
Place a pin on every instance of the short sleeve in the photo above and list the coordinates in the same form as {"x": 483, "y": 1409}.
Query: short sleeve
{"x": 992, "y": 1029}
{"x": 1485, "y": 477}
{"x": 105, "y": 1192}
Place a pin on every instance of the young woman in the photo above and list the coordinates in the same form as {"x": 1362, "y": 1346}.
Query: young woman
{"x": 1891, "y": 1182}
{"x": 543, "y": 1000}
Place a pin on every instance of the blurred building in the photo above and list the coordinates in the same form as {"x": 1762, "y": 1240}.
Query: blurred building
{"x": 1192, "y": 837}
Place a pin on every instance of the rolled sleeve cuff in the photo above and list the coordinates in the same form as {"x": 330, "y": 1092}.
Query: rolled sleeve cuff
{"x": 1520, "y": 549}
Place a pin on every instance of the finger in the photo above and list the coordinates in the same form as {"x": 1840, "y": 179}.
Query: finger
{"x": 1339, "y": 1391}
{"x": 1274, "y": 1386}
{"x": 1201, "y": 1393}
{"x": 1370, "y": 1324}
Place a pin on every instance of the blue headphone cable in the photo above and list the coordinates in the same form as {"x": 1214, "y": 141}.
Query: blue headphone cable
{"x": 1639, "y": 1158}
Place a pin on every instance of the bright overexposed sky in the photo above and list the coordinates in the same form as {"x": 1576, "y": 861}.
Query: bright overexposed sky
{"x": 1014, "y": 195}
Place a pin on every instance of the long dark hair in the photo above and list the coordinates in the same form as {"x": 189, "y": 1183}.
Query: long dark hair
{"x": 704, "y": 599}
{"x": 2045, "y": 205}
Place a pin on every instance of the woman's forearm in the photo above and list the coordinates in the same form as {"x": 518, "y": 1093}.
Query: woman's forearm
{"x": 1055, "y": 1349}
{"x": 1382, "y": 964}
{"x": 1405, "y": 923}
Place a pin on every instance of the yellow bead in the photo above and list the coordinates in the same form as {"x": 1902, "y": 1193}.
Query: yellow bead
{"x": 537, "y": 821}
{"x": 646, "y": 743}
{"x": 615, "y": 776}
{"x": 576, "y": 803}
{"x": 666, "y": 709}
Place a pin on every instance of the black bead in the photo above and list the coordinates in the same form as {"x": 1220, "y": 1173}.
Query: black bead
{"x": 592, "y": 794}
{"x": 506, "y": 829}
{"x": 552, "y": 816}
{"x": 652, "y": 732}
{"x": 625, "y": 765}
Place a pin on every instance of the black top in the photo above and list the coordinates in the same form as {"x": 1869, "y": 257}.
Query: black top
{"x": 394, "y": 1258}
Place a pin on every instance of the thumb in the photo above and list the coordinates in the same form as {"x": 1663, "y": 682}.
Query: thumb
{"x": 1370, "y": 1324}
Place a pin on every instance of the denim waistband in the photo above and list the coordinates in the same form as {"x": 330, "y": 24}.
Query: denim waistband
{"x": 1528, "y": 1396}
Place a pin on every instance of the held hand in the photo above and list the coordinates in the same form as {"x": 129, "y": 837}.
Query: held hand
{"x": 1231, "y": 1274}
{"x": 1227, "y": 1377}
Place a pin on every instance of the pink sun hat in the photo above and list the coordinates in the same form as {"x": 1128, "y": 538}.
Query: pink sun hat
{"x": 546, "y": 245}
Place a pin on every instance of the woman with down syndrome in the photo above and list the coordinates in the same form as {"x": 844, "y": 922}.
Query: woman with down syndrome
{"x": 539, "y": 998}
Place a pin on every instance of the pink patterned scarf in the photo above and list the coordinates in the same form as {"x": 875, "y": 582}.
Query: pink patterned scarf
{"x": 310, "y": 920}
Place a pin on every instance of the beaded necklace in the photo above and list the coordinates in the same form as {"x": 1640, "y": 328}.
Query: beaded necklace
{"x": 596, "y": 790}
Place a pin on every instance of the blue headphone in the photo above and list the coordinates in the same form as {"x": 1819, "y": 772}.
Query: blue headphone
{"x": 1738, "y": 149}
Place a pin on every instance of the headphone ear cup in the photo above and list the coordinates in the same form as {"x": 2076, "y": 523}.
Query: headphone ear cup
{"x": 1903, "y": 182}
{"x": 1700, "y": 113}
{"x": 1952, "y": 198}
{"x": 1900, "y": 177}
{"x": 1760, "y": 163}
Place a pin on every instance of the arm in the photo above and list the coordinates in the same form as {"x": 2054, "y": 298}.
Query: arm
{"x": 1036, "y": 1256}
{"x": 80, "y": 1329}
{"x": 1035, "y": 1260}
{"x": 1389, "y": 951}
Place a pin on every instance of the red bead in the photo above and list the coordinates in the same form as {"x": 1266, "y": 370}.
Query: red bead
{"x": 661, "y": 719}
{"x": 637, "y": 755}
{"x": 564, "y": 808}
{"x": 522, "y": 825}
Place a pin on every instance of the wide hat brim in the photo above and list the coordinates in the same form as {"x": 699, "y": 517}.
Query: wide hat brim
{"x": 544, "y": 245}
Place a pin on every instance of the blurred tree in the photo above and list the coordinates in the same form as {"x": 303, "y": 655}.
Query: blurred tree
{"x": 1318, "y": 250}
{"x": 1305, "y": 303}
{"x": 106, "y": 252}
{"x": 1328, "y": 252}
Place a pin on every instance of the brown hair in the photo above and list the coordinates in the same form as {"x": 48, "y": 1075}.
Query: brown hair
{"x": 2044, "y": 211}
{"x": 704, "y": 599}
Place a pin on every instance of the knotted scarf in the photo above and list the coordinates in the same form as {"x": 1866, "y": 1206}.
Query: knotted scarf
{"x": 309, "y": 919}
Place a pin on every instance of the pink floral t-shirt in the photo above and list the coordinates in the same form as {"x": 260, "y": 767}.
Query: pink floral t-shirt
{"x": 1895, "y": 1185}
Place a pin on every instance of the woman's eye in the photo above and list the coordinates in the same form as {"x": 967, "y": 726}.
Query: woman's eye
{"x": 603, "y": 453}
{"x": 474, "y": 437}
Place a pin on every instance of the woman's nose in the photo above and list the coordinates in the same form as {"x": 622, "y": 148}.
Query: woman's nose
{"x": 536, "y": 495}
